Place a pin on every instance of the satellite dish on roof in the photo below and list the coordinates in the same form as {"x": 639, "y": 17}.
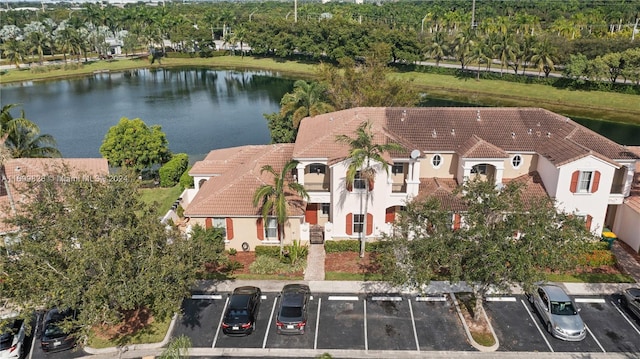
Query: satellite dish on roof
{"x": 415, "y": 154}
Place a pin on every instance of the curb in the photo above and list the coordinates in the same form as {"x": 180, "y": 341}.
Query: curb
{"x": 472, "y": 341}
{"x": 133, "y": 347}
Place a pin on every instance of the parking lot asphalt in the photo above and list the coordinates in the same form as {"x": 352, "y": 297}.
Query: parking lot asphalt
{"x": 369, "y": 319}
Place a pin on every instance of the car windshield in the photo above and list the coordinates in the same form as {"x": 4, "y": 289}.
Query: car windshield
{"x": 52, "y": 330}
{"x": 562, "y": 308}
{"x": 291, "y": 312}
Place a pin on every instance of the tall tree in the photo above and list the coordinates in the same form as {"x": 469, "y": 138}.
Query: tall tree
{"x": 274, "y": 199}
{"x": 132, "y": 144}
{"x": 365, "y": 154}
{"x": 505, "y": 239}
{"x": 307, "y": 99}
{"x": 22, "y": 138}
{"x": 99, "y": 250}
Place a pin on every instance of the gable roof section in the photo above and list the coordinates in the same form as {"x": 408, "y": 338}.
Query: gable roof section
{"x": 475, "y": 147}
{"x": 220, "y": 161}
{"x": 231, "y": 192}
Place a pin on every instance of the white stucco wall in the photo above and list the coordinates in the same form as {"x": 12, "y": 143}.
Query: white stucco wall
{"x": 593, "y": 204}
{"x": 549, "y": 174}
{"x": 627, "y": 226}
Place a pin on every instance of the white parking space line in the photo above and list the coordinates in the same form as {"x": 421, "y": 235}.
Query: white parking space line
{"x": 366, "y": 342}
{"x": 206, "y": 296}
{"x": 266, "y": 334}
{"x": 386, "y": 299}
{"x": 413, "y": 323}
{"x": 500, "y": 299}
{"x": 224, "y": 309}
{"x": 536, "y": 324}
{"x": 431, "y": 299}
{"x": 315, "y": 340}
{"x": 589, "y": 300}
{"x": 594, "y": 338}
{"x": 342, "y": 297}
{"x": 626, "y": 318}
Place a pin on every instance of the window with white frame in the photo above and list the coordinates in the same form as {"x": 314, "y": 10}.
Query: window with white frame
{"x": 358, "y": 181}
{"x": 480, "y": 169}
{"x": 436, "y": 161}
{"x": 584, "y": 181}
{"x": 397, "y": 168}
{"x": 317, "y": 168}
{"x": 271, "y": 229}
{"x": 222, "y": 224}
{"x": 326, "y": 207}
{"x": 516, "y": 161}
{"x": 358, "y": 223}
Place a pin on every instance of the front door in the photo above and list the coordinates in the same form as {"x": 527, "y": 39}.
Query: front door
{"x": 311, "y": 213}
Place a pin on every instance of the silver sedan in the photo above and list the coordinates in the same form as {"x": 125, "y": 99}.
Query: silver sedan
{"x": 558, "y": 312}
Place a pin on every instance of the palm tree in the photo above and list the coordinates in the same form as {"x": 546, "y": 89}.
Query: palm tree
{"x": 275, "y": 197}
{"x": 438, "y": 47}
{"x": 21, "y": 138}
{"x": 505, "y": 49}
{"x": 480, "y": 53}
{"x": 543, "y": 56}
{"x": 307, "y": 99}
{"x": 364, "y": 154}
{"x": 15, "y": 51}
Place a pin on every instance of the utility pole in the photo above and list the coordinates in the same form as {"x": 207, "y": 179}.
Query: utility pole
{"x": 295, "y": 10}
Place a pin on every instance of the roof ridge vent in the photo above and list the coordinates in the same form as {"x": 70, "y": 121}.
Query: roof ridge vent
{"x": 530, "y": 131}
{"x": 453, "y": 132}
{"x": 478, "y": 115}
{"x": 434, "y": 134}
{"x": 538, "y": 124}
{"x": 513, "y": 135}
{"x": 549, "y": 134}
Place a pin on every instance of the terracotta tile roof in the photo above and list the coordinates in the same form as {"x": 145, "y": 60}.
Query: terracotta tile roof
{"x": 475, "y": 147}
{"x": 442, "y": 189}
{"x": 230, "y": 193}
{"x": 317, "y": 135}
{"x": 533, "y": 187}
{"x": 20, "y": 171}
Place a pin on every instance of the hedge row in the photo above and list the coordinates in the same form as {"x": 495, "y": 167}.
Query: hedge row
{"x": 272, "y": 251}
{"x": 171, "y": 171}
{"x": 349, "y": 245}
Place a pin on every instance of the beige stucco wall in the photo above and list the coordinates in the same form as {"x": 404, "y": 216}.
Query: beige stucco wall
{"x": 447, "y": 168}
{"x": 529, "y": 164}
{"x": 244, "y": 230}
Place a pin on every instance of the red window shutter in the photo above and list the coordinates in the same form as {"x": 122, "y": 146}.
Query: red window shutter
{"x": 456, "y": 221}
{"x": 208, "y": 223}
{"x": 229, "y": 229}
{"x": 574, "y": 181}
{"x": 369, "y": 224}
{"x": 390, "y": 215}
{"x": 349, "y": 228}
{"x": 260, "y": 229}
{"x": 371, "y": 183}
{"x": 596, "y": 182}
{"x": 588, "y": 222}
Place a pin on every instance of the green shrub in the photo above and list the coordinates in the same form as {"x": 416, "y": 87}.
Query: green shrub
{"x": 171, "y": 171}
{"x": 233, "y": 251}
{"x": 273, "y": 265}
{"x": 349, "y": 245}
{"x": 599, "y": 257}
{"x": 295, "y": 252}
{"x": 186, "y": 181}
{"x": 268, "y": 251}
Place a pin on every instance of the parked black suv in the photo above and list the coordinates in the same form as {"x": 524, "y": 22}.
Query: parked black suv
{"x": 240, "y": 316}
{"x": 54, "y": 337}
{"x": 292, "y": 315}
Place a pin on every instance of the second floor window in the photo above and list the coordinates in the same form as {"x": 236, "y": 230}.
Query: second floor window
{"x": 358, "y": 181}
{"x": 479, "y": 169}
{"x": 584, "y": 182}
{"x": 326, "y": 207}
{"x": 397, "y": 168}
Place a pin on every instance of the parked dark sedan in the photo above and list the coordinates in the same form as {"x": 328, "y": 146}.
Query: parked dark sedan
{"x": 54, "y": 337}
{"x": 292, "y": 315}
{"x": 240, "y": 316}
{"x": 632, "y": 300}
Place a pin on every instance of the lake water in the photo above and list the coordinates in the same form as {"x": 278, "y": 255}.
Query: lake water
{"x": 198, "y": 109}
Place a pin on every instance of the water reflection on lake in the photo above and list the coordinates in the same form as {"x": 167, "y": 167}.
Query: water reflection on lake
{"x": 198, "y": 109}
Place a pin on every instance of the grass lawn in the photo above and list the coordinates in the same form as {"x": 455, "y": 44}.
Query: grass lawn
{"x": 589, "y": 104}
{"x": 164, "y": 197}
{"x": 152, "y": 333}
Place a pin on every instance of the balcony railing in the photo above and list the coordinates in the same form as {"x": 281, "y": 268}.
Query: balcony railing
{"x": 316, "y": 186}
{"x": 399, "y": 188}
